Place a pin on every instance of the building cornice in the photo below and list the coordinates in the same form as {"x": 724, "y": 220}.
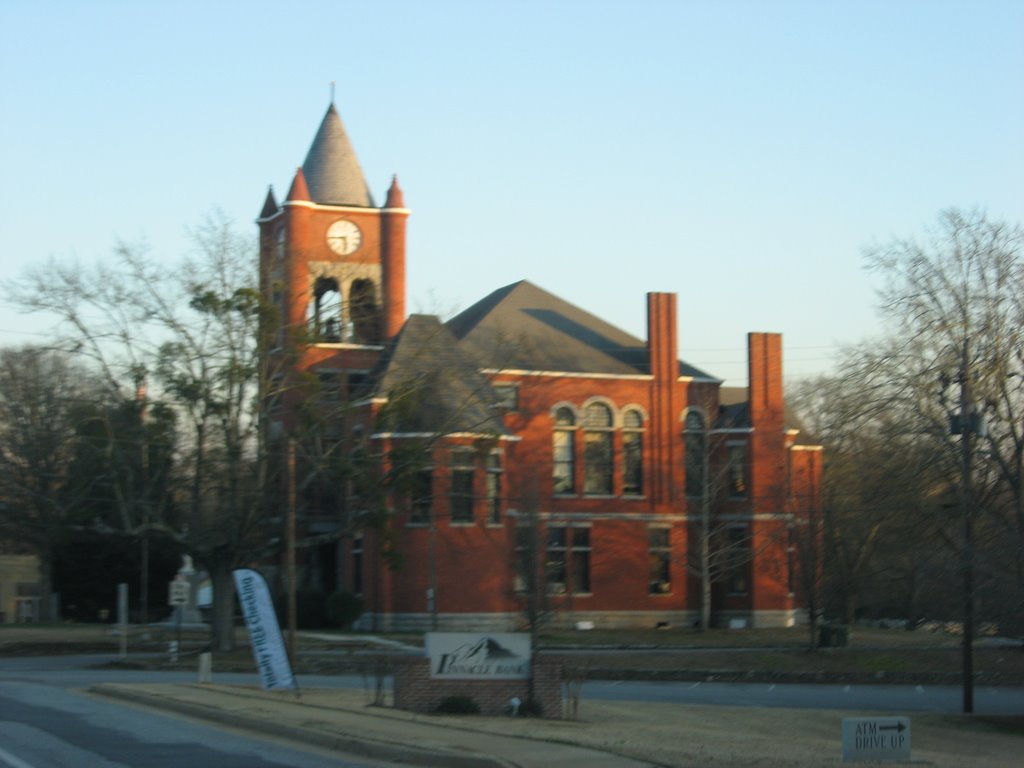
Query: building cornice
{"x": 439, "y": 435}
{"x": 566, "y": 374}
{"x": 338, "y": 208}
{"x": 267, "y": 219}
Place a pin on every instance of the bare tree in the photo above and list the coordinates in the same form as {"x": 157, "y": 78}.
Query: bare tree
{"x": 897, "y": 435}
{"x": 41, "y": 396}
{"x": 193, "y": 331}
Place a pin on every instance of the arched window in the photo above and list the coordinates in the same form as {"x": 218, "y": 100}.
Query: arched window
{"x": 597, "y": 449}
{"x": 564, "y": 451}
{"x": 325, "y": 311}
{"x": 362, "y": 302}
{"x": 281, "y": 243}
{"x": 695, "y": 444}
{"x": 633, "y": 453}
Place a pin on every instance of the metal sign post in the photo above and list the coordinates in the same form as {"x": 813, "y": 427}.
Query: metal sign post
{"x": 122, "y": 617}
{"x": 178, "y": 596}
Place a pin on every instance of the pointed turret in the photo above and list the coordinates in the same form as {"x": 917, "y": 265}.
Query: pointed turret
{"x": 332, "y": 169}
{"x": 396, "y": 199}
{"x": 392, "y": 235}
{"x": 299, "y": 190}
{"x": 269, "y": 205}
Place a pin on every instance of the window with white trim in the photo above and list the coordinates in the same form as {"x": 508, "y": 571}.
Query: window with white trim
{"x": 598, "y": 459}
{"x": 695, "y": 445}
{"x": 494, "y": 472}
{"x": 632, "y": 453}
{"x": 461, "y": 496}
{"x": 661, "y": 561}
{"x": 564, "y": 452}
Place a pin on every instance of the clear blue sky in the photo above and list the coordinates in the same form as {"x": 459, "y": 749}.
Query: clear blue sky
{"x": 740, "y": 154}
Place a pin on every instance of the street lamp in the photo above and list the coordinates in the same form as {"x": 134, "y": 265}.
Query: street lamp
{"x": 967, "y": 423}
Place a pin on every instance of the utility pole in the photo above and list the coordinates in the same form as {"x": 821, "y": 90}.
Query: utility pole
{"x": 967, "y": 428}
{"x": 290, "y": 554}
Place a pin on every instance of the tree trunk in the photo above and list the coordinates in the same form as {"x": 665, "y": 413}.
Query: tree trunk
{"x": 223, "y": 624}
{"x": 46, "y": 584}
{"x": 705, "y": 578}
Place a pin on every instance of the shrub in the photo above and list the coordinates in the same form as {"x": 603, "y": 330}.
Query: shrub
{"x": 309, "y": 609}
{"x": 531, "y": 708}
{"x": 458, "y": 705}
{"x": 343, "y": 608}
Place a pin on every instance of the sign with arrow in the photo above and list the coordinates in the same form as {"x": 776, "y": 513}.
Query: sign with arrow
{"x": 876, "y": 738}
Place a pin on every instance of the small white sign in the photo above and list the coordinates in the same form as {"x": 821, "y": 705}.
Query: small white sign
{"x": 876, "y": 738}
{"x": 479, "y": 655}
{"x": 177, "y": 592}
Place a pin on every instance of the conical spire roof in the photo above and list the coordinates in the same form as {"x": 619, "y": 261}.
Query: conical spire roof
{"x": 396, "y": 199}
{"x": 331, "y": 168}
{"x": 269, "y": 205}
{"x": 299, "y": 189}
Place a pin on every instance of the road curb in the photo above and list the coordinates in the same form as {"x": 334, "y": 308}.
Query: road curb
{"x": 355, "y": 745}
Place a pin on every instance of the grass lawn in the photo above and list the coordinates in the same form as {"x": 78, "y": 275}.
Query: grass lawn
{"x": 873, "y": 654}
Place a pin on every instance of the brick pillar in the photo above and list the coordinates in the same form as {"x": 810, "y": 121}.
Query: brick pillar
{"x": 768, "y": 479}
{"x": 662, "y": 346}
{"x": 394, "y": 216}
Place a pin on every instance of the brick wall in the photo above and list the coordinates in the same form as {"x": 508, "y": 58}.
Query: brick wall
{"x": 417, "y": 691}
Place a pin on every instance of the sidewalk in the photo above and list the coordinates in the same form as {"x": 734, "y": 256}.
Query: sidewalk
{"x": 339, "y": 719}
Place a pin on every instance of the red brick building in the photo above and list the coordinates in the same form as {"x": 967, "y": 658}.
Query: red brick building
{"x": 524, "y": 453}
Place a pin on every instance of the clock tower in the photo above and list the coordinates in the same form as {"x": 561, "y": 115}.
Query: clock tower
{"x": 331, "y": 262}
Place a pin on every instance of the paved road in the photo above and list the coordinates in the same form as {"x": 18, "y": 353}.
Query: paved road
{"x": 83, "y": 671}
{"x": 46, "y": 723}
{"x": 883, "y": 698}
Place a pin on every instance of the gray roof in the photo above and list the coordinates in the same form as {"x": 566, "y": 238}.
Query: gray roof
{"x": 432, "y": 386}
{"x": 523, "y": 327}
{"x": 734, "y": 413}
{"x": 332, "y": 169}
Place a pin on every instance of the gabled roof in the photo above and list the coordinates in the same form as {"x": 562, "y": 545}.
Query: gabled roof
{"x": 432, "y": 386}
{"x": 331, "y": 168}
{"x": 523, "y": 327}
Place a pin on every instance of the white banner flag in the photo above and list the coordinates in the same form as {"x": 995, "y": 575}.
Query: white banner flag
{"x": 264, "y": 632}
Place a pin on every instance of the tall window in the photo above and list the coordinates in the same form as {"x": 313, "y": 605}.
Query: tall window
{"x": 661, "y": 561}
{"x": 580, "y": 559}
{"x": 362, "y": 304}
{"x": 738, "y": 561}
{"x": 508, "y": 396}
{"x": 567, "y": 564}
{"x": 527, "y": 557}
{"x": 738, "y": 470}
{"x": 494, "y": 488}
{"x": 556, "y": 571}
{"x": 355, "y": 383}
{"x": 277, "y": 301}
{"x": 695, "y": 442}
{"x": 564, "y": 450}
{"x": 597, "y": 449}
{"x": 330, "y": 386}
{"x": 462, "y": 486}
{"x": 422, "y": 497}
{"x": 281, "y": 242}
{"x": 325, "y": 310}
{"x": 357, "y": 565}
{"x": 632, "y": 453}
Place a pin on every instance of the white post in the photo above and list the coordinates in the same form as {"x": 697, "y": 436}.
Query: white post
{"x": 122, "y": 617}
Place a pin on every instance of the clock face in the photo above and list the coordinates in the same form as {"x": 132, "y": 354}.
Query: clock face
{"x": 344, "y": 237}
